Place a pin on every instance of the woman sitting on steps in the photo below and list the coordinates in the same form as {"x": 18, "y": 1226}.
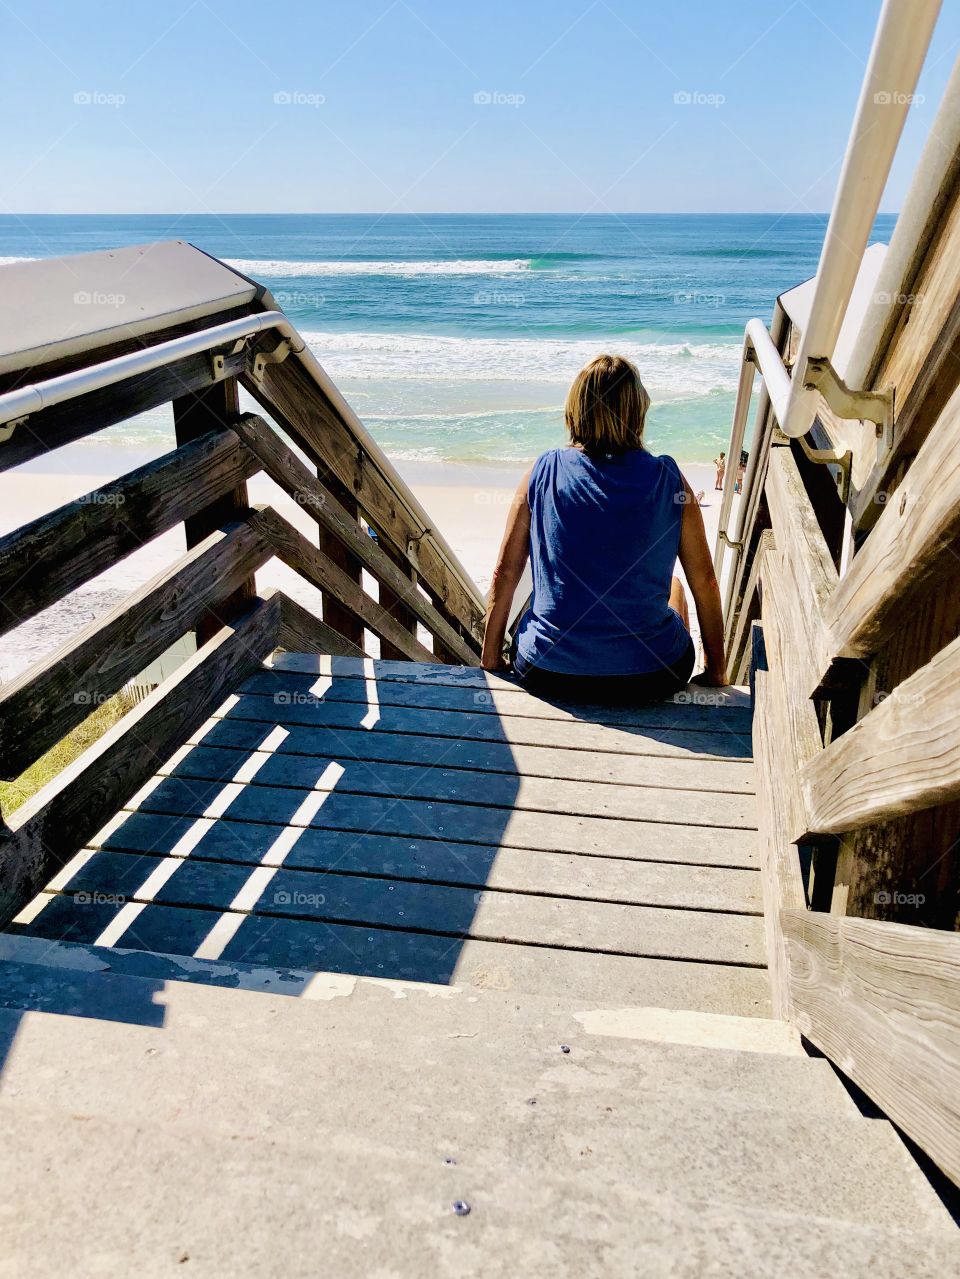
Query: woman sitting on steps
{"x": 604, "y": 522}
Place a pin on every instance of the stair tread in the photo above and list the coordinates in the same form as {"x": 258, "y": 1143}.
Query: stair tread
{"x": 285, "y": 955}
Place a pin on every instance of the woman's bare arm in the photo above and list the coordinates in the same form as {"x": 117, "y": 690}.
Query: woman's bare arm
{"x": 514, "y": 553}
{"x": 697, "y": 566}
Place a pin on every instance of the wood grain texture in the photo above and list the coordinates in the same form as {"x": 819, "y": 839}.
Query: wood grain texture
{"x": 288, "y": 394}
{"x": 781, "y": 883}
{"x": 61, "y": 817}
{"x": 308, "y": 560}
{"x": 301, "y": 630}
{"x": 902, "y": 756}
{"x": 306, "y": 774}
{"x": 490, "y": 914}
{"x": 75, "y": 419}
{"x": 903, "y": 555}
{"x": 282, "y": 465}
{"x": 920, "y": 362}
{"x": 58, "y": 692}
{"x": 882, "y": 1000}
{"x": 723, "y": 699}
{"x": 313, "y": 713}
{"x": 699, "y": 708}
{"x": 681, "y": 887}
{"x": 194, "y": 415}
{"x": 805, "y": 562}
{"x": 50, "y": 557}
{"x": 283, "y": 807}
{"x": 658, "y": 768}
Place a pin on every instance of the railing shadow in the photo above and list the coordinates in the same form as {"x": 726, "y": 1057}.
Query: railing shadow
{"x": 276, "y": 840}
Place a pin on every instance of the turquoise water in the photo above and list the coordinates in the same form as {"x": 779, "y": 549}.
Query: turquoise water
{"x": 455, "y": 337}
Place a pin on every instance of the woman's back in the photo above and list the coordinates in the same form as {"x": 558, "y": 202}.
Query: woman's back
{"x": 604, "y": 536}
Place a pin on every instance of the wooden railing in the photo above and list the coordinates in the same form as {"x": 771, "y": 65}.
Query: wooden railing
{"x": 424, "y": 606}
{"x": 857, "y": 718}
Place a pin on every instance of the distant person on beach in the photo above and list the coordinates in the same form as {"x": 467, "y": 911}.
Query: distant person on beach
{"x": 721, "y": 464}
{"x": 603, "y": 522}
{"x": 741, "y": 471}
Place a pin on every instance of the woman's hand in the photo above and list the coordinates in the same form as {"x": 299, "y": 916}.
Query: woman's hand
{"x": 495, "y": 664}
{"x": 711, "y": 679}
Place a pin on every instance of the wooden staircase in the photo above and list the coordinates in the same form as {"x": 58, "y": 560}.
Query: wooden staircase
{"x": 425, "y": 823}
{"x": 334, "y": 936}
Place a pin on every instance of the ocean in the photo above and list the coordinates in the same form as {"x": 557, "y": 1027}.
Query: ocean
{"x": 455, "y": 336}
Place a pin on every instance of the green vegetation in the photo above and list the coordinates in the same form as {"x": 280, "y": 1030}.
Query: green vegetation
{"x": 17, "y": 792}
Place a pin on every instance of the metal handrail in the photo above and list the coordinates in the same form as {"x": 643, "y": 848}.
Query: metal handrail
{"x": 896, "y": 58}
{"x": 899, "y": 47}
{"x": 15, "y": 406}
{"x": 759, "y": 354}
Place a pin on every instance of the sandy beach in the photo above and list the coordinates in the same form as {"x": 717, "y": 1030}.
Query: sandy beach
{"x": 467, "y": 502}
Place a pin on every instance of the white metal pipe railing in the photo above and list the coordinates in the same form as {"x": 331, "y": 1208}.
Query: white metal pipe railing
{"x": 760, "y": 354}
{"x": 24, "y": 401}
{"x": 916, "y": 221}
{"x": 899, "y": 47}
{"x": 69, "y": 386}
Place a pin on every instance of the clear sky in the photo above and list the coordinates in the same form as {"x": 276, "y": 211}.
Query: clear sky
{"x": 372, "y": 105}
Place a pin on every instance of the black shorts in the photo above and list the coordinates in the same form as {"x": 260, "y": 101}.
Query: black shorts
{"x": 610, "y": 690}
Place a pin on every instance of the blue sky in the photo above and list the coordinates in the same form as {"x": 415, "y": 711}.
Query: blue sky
{"x": 217, "y": 106}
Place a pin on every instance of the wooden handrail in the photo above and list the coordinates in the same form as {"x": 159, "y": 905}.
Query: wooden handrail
{"x": 43, "y": 834}
{"x": 287, "y": 394}
{"x": 302, "y": 632}
{"x": 904, "y": 755}
{"x": 57, "y": 693}
{"x": 311, "y": 563}
{"x": 77, "y": 541}
{"x": 286, "y": 470}
{"x": 904, "y": 551}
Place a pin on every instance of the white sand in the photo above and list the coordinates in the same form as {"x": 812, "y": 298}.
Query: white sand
{"x": 467, "y": 503}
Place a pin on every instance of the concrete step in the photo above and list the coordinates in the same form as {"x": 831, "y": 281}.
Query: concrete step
{"x": 88, "y": 1195}
{"x": 472, "y": 1042}
{"x": 387, "y": 1068}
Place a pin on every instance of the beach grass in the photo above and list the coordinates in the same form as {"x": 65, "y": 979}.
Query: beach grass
{"x": 56, "y": 759}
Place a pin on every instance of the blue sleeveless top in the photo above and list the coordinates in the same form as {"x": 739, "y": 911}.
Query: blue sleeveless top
{"x": 604, "y": 537}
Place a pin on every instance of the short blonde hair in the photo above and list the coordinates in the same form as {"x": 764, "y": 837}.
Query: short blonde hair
{"x": 606, "y": 408}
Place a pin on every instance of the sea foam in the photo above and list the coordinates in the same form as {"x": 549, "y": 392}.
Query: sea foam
{"x": 439, "y": 266}
{"x": 668, "y": 368}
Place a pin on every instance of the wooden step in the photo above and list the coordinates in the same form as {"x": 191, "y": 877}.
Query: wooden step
{"x": 707, "y": 710}
{"x": 669, "y": 737}
{"x": 470, "y": 823}
{"x": 667, "y": 765}
{"x": 444, "y": 861}
{"x": 649, "y": 801}
{"x": 488, "y": 914}
{"x": 293, "y": 947}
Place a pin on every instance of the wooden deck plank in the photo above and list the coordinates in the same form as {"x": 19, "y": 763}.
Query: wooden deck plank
{"x": 430, "y": 673}
{"x": 457, "y": 912}
{"x": 684, "y": 773}
{"x": 306, "y": 774}
{"x": 557, "y": 832}
{"x": 572, "y": 734}
{"x": 73, "y": 805}
{"x": 469, "y": 865}
{"x": 609, "y": 980}
{"x": 699, "y": 712}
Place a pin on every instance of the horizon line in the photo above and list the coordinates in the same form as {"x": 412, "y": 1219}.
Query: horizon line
{"x": 367, "y": 213}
